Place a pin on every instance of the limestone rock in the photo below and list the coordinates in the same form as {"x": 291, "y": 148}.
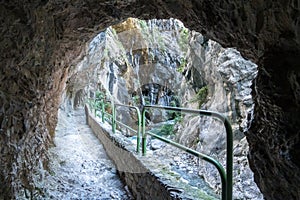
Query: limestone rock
{"x": 42, "y": 41}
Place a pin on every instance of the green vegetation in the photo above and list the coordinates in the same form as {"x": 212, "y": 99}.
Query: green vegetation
{"x": 51, "y": 172}
{"x": 201, "y": 96}
{"x": 173, "y": 103}
{"x": 107, "y": 107}
{"x": 183, "y": 44}
{"x": 182, "y": 66}
{"x": 161, "y": 43}
{"x": 153, "y": 36}
{"x": 95, "y": 103}
{"x": 143, "y": 24}
{"x": 62, "y": 163}
{"x": 167, "y": 171}
{"x": 100, "y": 95}
{"x": 136, "y": 100}
{"x": 166, "y": 129}
{"x": 184, "y": 39}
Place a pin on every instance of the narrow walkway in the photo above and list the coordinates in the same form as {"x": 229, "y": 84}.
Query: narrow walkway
{"x": 79, "y": 166}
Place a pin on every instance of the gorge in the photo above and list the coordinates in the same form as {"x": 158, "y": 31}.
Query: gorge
{"x": 161, "y": 62}
{"x": 42, "y": 43}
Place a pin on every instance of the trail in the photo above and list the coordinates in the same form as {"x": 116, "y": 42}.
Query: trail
{"x": 79, "y": 166}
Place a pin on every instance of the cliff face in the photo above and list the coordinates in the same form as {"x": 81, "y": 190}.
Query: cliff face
{"x": 228, "y": 78}
{"x": 42, "y": 41}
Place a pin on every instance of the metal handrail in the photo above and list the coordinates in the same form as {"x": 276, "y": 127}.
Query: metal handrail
{"x": 102, "y": 110}
{"x": 127, "y": 127}
{"x": 226, "y": 178}
{"x": 139, "y": 122}
{"x": 103, "y": 113}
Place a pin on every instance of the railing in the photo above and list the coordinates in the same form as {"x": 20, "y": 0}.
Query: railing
{"x": 139, "y": 123}
{"x": 226, "y": 177}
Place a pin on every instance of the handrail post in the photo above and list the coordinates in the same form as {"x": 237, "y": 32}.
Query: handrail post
{"x": 144, "y": 141}
{"x": 94, "y": 108}
{"x": 138, "y": 140}
{"x": 229, "y": 159}
{"x": 102, "y": 111}
{"x": 113, "y": 117}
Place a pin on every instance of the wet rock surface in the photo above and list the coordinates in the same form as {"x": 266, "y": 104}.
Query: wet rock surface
{"x": 79, "y": 167}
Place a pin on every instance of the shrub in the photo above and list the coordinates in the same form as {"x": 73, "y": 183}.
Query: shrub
{"x": 201, "y": 96}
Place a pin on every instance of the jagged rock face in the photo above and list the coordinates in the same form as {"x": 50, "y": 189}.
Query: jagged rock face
{"x": 136, "y": 62}
{"x": 274, "y": 134}
{"x": 42, "y": 41}
{"x": 228, "y": 78}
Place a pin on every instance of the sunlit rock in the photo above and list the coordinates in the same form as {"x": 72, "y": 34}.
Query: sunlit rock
{"x": 160, "y": 62}
{"x": 43, "y": 41}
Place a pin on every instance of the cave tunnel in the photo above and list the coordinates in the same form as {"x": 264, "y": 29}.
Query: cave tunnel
{"x": 42, "y": 41}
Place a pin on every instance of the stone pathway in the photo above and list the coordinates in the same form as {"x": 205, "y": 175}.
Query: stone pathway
{"x": 79, "y": 166}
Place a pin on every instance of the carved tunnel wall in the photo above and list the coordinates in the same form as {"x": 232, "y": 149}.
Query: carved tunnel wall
{"x": 41, "y": 41}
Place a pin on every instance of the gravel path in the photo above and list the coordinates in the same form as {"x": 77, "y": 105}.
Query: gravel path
{"x": 79, "y": 166}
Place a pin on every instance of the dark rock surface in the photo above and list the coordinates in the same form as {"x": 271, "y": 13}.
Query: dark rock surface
{"x": 42, "y": 40}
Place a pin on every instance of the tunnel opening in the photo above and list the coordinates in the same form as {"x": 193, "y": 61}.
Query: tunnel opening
{"x": 160, "y": 62}
{"x": 48, "y": 41}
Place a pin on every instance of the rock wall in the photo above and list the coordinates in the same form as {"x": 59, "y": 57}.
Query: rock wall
{"x": 136, "y": 62}
{"x": 228, "y": 78}
{"x": 41, "y": 40}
